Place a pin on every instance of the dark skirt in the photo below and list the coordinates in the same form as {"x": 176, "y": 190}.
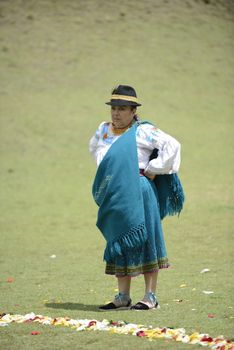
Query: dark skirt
{"x": 152, "y": 255}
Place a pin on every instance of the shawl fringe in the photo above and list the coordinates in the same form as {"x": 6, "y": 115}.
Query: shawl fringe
{"x": 132, "y": 239}
{"x": 170, "y": 194}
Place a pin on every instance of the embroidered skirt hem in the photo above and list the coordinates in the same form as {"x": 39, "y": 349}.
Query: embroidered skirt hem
{"x": 133, "y": 271}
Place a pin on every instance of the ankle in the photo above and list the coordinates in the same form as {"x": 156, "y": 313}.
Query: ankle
{"x": 123, "y": 296}
{"x": 150, "y": 297}
{"x": 121, "y": 299}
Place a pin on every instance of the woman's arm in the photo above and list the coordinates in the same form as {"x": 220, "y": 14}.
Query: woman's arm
{"x": 168, "y": 158}
{"x": 94, "y": 144}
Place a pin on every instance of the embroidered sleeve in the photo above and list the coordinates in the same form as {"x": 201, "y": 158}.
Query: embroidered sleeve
{"x": 168, "y": 159}
{"x": 95, "y": 144}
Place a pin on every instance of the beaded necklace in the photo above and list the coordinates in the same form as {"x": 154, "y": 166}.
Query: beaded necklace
{"x": 119, "y": 131}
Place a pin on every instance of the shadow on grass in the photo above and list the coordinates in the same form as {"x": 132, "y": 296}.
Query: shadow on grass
{"x": 72, "y": 306}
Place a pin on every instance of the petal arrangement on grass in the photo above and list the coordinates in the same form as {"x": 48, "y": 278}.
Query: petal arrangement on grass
{"x": 122, "y": 327}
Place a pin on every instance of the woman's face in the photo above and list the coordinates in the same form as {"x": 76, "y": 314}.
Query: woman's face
{"x": 122, "y": 115}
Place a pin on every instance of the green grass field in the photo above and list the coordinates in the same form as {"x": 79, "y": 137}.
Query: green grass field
{"x": 59, "y": 61}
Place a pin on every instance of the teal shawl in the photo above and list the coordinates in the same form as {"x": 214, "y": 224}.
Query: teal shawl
{"x": 117, "y": 192}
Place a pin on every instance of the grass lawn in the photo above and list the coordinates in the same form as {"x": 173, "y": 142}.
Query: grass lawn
{"x": 59, "y": 61}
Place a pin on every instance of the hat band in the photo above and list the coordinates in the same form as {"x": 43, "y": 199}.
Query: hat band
{"x": 124, "y": 97}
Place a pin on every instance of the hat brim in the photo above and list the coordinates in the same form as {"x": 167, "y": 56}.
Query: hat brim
{"x": 123, "y": 103}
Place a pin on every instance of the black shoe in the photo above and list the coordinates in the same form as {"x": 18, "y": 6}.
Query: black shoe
{"x": 111, "y": 306}
{"x": 140, "y": 306}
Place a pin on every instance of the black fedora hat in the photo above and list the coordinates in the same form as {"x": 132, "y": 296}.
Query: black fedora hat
{"x": 123, "y": 95}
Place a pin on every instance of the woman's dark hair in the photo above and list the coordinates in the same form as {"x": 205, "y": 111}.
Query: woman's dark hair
{"x": 136, "y": 117}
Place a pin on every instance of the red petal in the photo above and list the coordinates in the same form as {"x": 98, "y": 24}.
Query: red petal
{"x": 141, "y": 334}
{"x": 207, "y": 339}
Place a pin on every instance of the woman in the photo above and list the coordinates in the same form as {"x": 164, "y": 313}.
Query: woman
{"x": 130, "y": 156}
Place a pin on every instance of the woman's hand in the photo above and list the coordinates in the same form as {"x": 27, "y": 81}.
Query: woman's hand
{"x": 149, "y": 175}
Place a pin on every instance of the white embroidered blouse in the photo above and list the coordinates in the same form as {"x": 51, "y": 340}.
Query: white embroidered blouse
{"x": 148, "y": 137}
